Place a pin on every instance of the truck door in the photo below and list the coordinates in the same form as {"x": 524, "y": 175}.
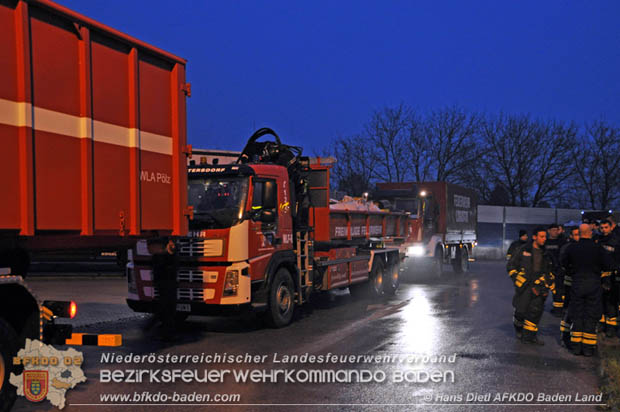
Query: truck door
{"x": 430, "y": 216}
{"x": 264, "y": 214}
{"x": 271, "y": 223}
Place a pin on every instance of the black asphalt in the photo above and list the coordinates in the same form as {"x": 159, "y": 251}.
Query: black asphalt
{"x": 463, "y": 320}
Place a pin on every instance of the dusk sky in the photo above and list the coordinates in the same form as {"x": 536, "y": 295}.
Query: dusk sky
{"x": 314, "y": 70}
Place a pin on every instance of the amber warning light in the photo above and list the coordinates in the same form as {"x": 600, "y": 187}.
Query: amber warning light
{"x": 72, "y": 310}
{"x": 62, "y": 309}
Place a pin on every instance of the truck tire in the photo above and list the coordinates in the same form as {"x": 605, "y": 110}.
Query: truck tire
{"x": 461, "y": 263}
{"x": 281, "y": 305}
{"x": 437, "y": 263}
{"x": 9, "y": 344}
{"x": 377, "y": 279}
{"x": 392, "y": 279}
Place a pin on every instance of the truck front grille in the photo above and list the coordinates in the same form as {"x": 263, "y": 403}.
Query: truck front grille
{"x": 187, "y": 294}
{"x": 201, "y": 247}
{"x": 188, "y": 275}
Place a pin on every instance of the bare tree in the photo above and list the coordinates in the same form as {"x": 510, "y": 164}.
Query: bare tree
{"x": 550, "y": 165}
{"x": 419, "y": 149}
{"x": 529, "y": 158}
{"x": 356, "y": 160}
{"x": 597, "y": 165}
{"x": 452, "y": 133}
{"x": 510, "y": 159}
{"x": 387, "y": 131}
{"x": 510, "y": 144}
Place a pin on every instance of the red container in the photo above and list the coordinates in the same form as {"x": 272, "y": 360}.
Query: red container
{"x": 92, "y": 125}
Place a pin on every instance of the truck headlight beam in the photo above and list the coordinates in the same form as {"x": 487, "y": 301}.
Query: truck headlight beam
{"x": 416, "y": 250}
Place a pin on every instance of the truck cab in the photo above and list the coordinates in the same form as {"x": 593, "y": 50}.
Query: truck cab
{"x": 241, "y": 220}
{"x": 442, "y": 224}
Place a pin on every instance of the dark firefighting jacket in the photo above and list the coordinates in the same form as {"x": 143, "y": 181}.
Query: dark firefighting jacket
{"x": 611, "y": 245}
{"x": 514, "y": 246}
{"x": 521, "y": 270}
{"x": 588, "y": 262}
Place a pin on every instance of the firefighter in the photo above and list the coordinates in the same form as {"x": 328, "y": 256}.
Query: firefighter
{"x": 590, "y": 266}
{"x": 611, "y": 244}
{"x": 531, "y": 270}
{"x": 561, "y": 232}
{"x": 596, "y": 230}
{"x": 565, "y": 323}
{"x": 165, "y": 263}
{"x": 553, "y": 245}
{"x": 515, "y": 245}
{"x": 615, "y": 229}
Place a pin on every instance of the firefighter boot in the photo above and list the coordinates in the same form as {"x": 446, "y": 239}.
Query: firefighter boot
{"x": 610, "y": 327}
{"x": 518, "y": 325}
{"x": 575, "y": 342}
{"x": 588, "y": 344}
{"x": 518, "y": 331}
{"x": 529, "y": 337}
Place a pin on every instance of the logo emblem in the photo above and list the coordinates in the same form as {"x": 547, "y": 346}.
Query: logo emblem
{"x": 35, "y": 385}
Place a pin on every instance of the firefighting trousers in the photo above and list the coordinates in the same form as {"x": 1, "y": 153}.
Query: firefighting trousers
{"x": 164, "y": 279}
{"x": 529, "y": 308}
{"x": 610, "y": 307}
{"x": 585, "y": 310}
{"x": 565, "y": 323}
{"x": 558, "y": 292}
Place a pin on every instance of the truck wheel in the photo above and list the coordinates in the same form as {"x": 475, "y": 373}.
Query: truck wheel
{"x": 393, "y": 279}
{"x": 8, "y": 348}
{"x": 437, "y": 268}
{"x": 377, "y": 279}
{"x": 461, "y": 263}
{"x": 281, "y": 299}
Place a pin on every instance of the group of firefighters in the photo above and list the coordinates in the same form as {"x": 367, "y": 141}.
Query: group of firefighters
{"x": 582, "y": 272}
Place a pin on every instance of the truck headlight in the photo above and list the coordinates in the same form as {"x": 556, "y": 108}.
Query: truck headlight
{"x": 416, "y": 250}
{"x": 231, "y": 283}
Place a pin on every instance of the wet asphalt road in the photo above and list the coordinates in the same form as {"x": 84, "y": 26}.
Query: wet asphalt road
{"x": 466, "y": 318}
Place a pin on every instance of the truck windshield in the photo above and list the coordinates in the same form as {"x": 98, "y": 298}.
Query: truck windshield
{"x": 408, "y": 205}
{"x": 217, "y": 202}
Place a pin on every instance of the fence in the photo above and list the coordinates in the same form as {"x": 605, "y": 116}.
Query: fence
{"x": 498, "y": 226}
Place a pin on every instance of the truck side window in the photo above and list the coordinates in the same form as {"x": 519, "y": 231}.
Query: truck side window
{"x": 270, "y": 195}
{"x": 264, "y": 206}
{"x": 257, "y": 198}
{"x": 265, "y": 195}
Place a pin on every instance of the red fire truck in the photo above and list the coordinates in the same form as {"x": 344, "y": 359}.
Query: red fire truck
{"x": 263, "y": 237}
{"x": 441, "y": 225}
